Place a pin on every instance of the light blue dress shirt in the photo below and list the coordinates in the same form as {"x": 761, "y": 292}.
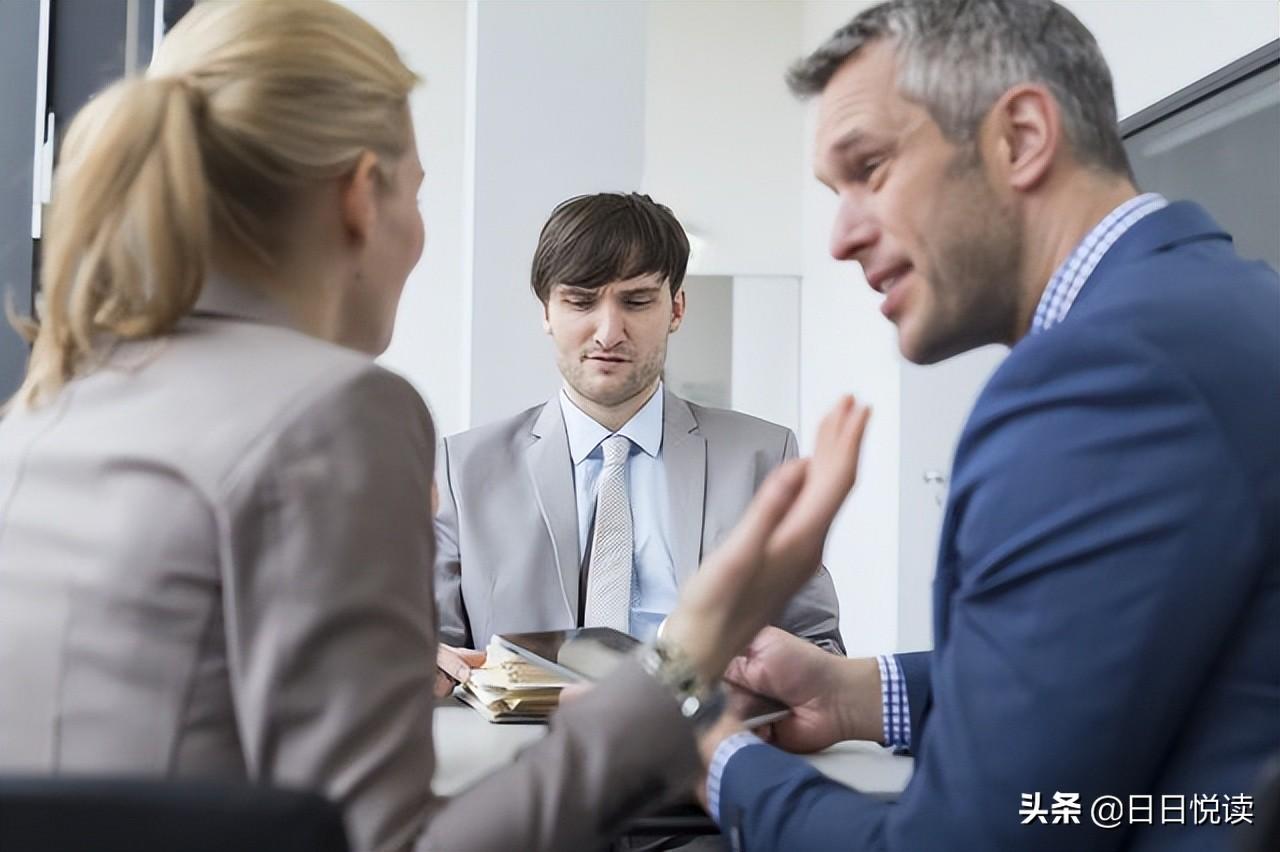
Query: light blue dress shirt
{"x": 653, "y": 581}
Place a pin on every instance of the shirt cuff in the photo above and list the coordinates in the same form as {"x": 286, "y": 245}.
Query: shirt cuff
{"x": 728, "y": 747}
{"x": 893, "y": 702}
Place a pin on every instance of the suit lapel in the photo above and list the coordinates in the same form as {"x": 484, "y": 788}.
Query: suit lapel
{"x": 684, "y": 453}
{"x": 551, "y": 469}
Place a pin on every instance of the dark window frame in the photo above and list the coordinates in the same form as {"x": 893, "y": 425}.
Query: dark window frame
{"x": 1256, "y": 62}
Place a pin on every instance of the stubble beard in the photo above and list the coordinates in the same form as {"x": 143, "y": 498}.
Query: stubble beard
{"x": 641, "y": 376}
{"x": 974, "y": 273}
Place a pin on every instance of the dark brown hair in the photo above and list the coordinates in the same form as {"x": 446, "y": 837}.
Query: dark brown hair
{"x": 594, "y": 240}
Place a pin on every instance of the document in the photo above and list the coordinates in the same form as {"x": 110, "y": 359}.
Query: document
{"x": 510, "y": 689}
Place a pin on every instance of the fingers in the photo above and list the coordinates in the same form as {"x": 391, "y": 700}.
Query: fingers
{"x": 769, "y": 506}
{"x": 840, "y": 436}
{"x": 749, "y": 668}
{"x": 738, "y": 671}
{"x": 832, "y": 473}
{"x": 458, "y": 662}
{"x": 766, "y": 637}
{"x": 443, "y": 685}
{"x": 830, "y": 423}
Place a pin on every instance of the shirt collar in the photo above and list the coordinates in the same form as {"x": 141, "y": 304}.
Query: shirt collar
{"x": 1068, "y": 279}
{"x": 644, "y": 429}
{"x": 221, "y": 296}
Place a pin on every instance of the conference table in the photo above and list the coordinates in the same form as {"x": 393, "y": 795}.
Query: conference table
{"x": 468, "y": 747}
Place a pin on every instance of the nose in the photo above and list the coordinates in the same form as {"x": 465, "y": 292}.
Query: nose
{"x": 610, "y": 325}
{"x": 854, "y": 230}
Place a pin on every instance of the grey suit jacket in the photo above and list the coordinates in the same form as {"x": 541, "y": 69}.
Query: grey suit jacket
{"x": 508, "y": 557}
{"x": 212, "y": 554}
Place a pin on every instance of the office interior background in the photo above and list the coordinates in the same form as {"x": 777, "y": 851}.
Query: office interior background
{"x": 527, "y": 103}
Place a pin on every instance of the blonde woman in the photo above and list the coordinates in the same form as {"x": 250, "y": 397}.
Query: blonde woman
{"x": 215, "y": 530}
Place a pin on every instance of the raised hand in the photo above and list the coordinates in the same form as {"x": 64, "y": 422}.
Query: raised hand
{"x": 774, "y": 549}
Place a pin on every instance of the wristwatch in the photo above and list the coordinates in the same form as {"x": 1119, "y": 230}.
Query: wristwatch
{"x": 700, "y": 701}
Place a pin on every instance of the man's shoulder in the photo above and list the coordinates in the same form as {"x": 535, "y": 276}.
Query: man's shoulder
{"x": 1193, "y": 316}
{"x": 509, "y": 433}
{"x": 723, "y": 424}
{"x": 1169, "y": 342}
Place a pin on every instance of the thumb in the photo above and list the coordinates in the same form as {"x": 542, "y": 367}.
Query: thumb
{"x": 736, "y": 671}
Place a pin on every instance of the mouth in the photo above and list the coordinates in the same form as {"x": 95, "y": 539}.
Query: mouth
{"x": 886, "y": 278}
{"x": 606, "y": 359}
{"x": 890, "y": 282}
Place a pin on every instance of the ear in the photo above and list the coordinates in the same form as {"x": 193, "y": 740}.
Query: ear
{"x": 677, "y": 311}
{"x": 1027, "y": 123}
{"x": 546, "y": 315}
{"x": 359, "y": 198}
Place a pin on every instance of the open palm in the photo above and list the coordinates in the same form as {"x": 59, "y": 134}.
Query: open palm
{"x": 774, "y": 550}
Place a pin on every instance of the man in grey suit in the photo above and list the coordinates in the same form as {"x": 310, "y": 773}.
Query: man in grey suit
{"x": 594, "y": 507}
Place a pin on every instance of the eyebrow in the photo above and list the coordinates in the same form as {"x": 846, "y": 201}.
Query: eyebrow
{"x": 853, "y": 139}
{"x": 572, "y": 290}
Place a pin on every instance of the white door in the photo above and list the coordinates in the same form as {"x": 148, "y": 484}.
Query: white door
{"x": 936, "y": 401}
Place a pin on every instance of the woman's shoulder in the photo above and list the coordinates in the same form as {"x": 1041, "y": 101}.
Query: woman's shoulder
{"x": 216, "y": 393}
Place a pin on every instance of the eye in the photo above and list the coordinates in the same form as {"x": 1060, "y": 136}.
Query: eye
{"x": 640, "y": 302}
{"x": 867, "y": 168}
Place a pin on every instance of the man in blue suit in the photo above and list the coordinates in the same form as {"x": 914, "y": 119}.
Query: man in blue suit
{"x": 1107, "y": 597}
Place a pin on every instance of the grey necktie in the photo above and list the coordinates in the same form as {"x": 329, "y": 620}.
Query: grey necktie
{"x": 609, "y": 575}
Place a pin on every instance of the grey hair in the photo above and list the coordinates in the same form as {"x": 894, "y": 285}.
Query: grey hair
{"x": 957, "y": 57}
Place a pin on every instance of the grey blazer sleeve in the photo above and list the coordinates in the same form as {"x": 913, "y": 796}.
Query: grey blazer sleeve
{"x": 330, "y": 633}
{"x": 454, "y": 626}
{"x": 814, "y": 612}
{"x": 620, "y": 750}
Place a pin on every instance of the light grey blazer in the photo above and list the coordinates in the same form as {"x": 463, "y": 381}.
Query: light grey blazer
{"x": 214, "y": 561}
{"x": 508, "y": 557}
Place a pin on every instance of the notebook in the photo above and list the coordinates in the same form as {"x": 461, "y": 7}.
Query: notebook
{"x": 511, "y": 689}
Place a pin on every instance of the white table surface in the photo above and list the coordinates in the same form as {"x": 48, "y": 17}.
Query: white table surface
{"x": 468, "y": 748}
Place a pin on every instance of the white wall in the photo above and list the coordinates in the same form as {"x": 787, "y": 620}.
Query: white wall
{"x": 428, "y": 343}
{"x": 766, "y": 348}
{"x": 559, "y": 111}
{"x": 935, "y": 403}
{"x": 1155, "y": 47}
{"x": 720, "y": 130}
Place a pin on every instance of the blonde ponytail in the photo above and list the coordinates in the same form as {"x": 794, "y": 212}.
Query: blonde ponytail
{"x": 127, "y": 239}
{"x": 245, "y": 105}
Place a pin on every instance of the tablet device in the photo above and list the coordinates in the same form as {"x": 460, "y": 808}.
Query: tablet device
{"x": 590, "y": 653}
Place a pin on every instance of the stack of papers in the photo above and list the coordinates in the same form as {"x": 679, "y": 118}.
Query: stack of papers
{"x": 508, "y": 688}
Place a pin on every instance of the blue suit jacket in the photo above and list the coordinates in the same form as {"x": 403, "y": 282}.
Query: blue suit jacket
{"x": 1107, "y": 597}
